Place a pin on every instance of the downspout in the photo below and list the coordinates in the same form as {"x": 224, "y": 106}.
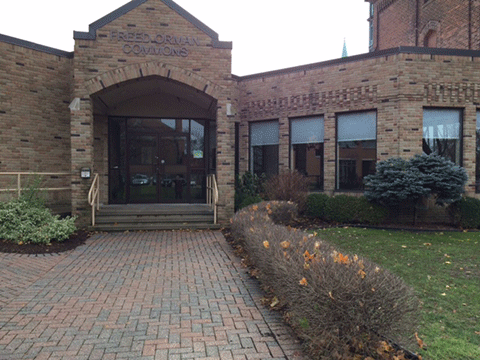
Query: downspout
{"x": 470, "y": 25}
{"x": 417, "y": 22}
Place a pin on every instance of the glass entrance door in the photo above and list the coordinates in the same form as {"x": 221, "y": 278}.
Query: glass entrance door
{"x": 158, "y": 168}
{"x": 159, "y": 160}
{"x": 173, "y": 168}
{"x": 143, "y": 168}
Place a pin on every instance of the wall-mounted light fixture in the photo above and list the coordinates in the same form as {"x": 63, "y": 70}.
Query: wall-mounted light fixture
{"x": 85, "y": 173}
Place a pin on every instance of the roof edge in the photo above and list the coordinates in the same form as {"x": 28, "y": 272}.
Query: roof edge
{"x": 93, "y": 27}
{"x": 34, "y": 46}
{"x": 371, "y": 55}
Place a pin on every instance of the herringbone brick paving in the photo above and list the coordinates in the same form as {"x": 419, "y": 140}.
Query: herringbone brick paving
{"x": 151, "y": 295}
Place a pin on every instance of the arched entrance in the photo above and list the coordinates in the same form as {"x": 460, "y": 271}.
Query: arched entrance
{"x": 161, "y": 140}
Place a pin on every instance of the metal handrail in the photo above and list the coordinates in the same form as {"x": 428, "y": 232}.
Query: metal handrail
{"x": 212, "y": 195}
{"x": 19, "y": 174}
{"x": 94, "y": 196}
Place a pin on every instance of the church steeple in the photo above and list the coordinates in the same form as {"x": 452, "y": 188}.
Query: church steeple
{"x": 344, "y": 52}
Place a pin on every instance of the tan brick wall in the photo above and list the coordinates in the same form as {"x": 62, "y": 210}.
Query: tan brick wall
{"x": 35, "y": 119}
{"x": 397, "y": 86}
{"x": 34, "y": 99}
{"x": 102, "y": 62}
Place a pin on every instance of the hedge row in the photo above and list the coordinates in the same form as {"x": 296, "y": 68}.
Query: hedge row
{"x": 340, "y": 304}
{"x": 350, "y": 209}
{"x": 345, "y": 209}
{"x": 466, "y": 213}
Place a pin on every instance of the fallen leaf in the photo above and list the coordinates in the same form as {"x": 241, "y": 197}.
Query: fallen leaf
{"x": 285, "y": 244}
{"x": 420, "y": 342}
{"x": 274, "y": 302}
{"x": 304, "y": 282}
{"x": 266, "y": 244}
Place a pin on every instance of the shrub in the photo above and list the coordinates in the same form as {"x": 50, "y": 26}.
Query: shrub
{"x": 393, "y": 183}
{"x": 466, "y": 213}
{"x": 340, "y": 304}
{"x": 249, "y": 200}
{"x": 315, "y": 206}
{"x": 248, "y": 189}
{"x": 398, "y": 181}
{"x": 26, "y": 221}
{"x": 288, "y": 186}
{"x": 444, "y": 179}
{"x": 341, "y": 208}
{"x": 370, "y": 213}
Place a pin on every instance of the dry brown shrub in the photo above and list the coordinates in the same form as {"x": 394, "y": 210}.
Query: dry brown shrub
{"x": 288, "y": 186}
{"x": 339, "y": 303}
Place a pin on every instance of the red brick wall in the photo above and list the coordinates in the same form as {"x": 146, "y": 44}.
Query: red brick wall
{"x": 455, "y": 23}
{"x": 396, "y": 23}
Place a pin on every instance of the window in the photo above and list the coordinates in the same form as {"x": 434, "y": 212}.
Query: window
{"x": 264, "y": 147}
{"x": 477, "y": 170}
{"x": 441, "y": 133}
{"x": 371, "y": 32}
{"x": 356, "y": 148}
{"x": 430, "y": 39}
{"x": 306, "y": 137}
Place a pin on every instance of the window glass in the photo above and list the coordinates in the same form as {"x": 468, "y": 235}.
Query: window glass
{"x": 356, "y": 148}
{"x": 441, "y": 133}
{"x": 477, "y": 171}
{"x": 264, "y": 147}
{"x": 306, "y": 138}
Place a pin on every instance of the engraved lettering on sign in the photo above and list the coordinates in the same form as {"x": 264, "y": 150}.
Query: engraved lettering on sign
{"x": 138, "y": 43}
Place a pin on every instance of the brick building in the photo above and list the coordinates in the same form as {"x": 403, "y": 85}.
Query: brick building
{"x": 147, "y": 100}
{"x": 453, "y": 24}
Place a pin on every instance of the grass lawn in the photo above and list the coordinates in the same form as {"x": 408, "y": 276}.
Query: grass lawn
{"x": 444, "y": 269}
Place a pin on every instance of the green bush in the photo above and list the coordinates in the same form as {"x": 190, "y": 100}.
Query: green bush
{"x": 466, "y": 213}
{"x": 370, "y": 213}
{"x": 338, "y": 303}
{"x": 248, "y": 189}
{"x": 316, "y": 205}
{"x": 26, "y": 220}
{"x": 341, "y": 208}
{"x": 247, "y": 200}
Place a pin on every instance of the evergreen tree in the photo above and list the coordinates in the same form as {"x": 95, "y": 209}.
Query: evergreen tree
{"x": 394, "y": 183}
{"x": 398, "y": 181}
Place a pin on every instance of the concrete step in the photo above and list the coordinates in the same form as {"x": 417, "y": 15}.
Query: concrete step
{"x": 154, "y": 217}
{"x": 151, "y": 227}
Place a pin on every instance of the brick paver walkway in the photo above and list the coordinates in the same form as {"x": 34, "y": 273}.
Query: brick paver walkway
{"x": 151, "y": 295}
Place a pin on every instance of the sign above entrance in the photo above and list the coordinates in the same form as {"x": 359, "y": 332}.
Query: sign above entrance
{"x": 139, "y": 43}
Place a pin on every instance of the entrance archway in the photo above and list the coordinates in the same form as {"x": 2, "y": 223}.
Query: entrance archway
{"x": 160, "y": 134}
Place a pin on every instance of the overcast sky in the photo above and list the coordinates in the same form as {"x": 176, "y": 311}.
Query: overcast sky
{"x": 266, "y": 34}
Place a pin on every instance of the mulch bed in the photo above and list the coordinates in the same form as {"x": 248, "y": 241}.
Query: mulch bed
{"x": 77, "y": 239}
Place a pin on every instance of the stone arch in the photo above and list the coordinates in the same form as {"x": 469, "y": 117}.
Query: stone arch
{"x": 139, "y": 70}
{"x": 429, "y": 36}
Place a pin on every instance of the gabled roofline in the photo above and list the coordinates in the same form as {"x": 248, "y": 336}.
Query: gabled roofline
{"x": 92, "y": 33}
{"x": 371, "y": 55}
{"x": 33, "y": 46}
